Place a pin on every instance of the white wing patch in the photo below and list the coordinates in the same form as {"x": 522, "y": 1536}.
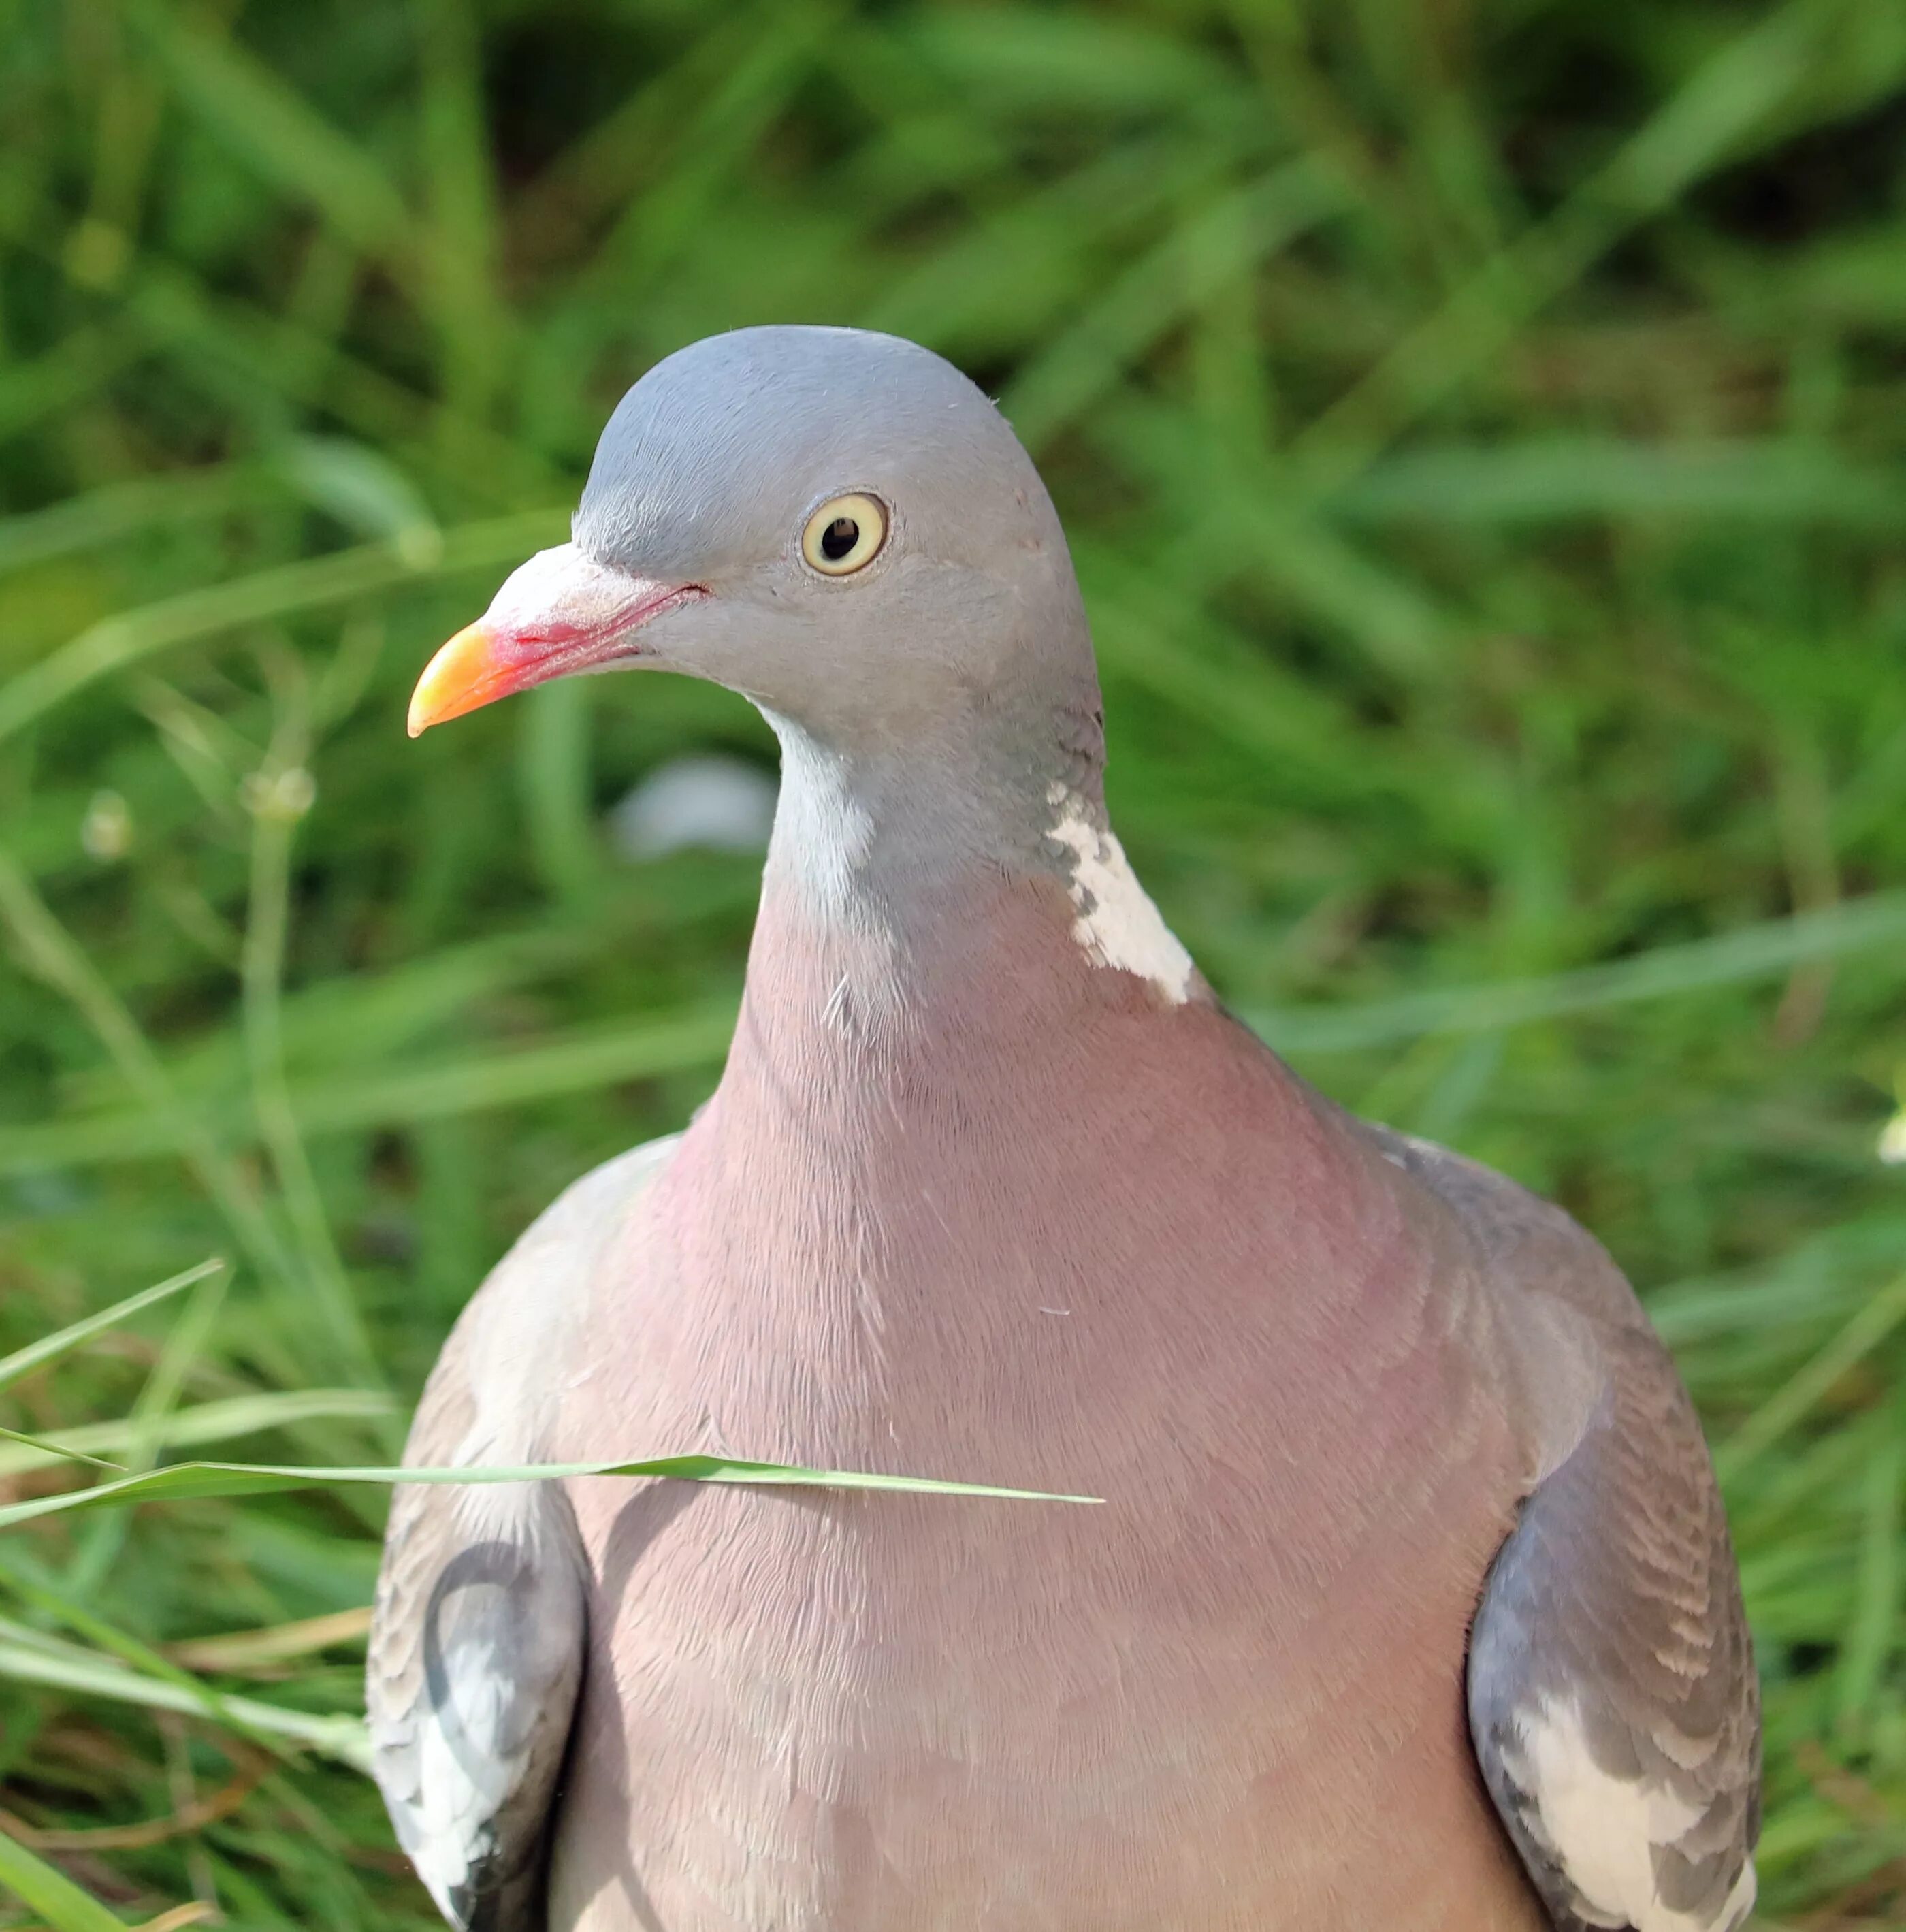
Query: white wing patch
{"x": 1117, "y": 925}
{"x": 1604, "y": 1829}
{"x": 462, "y": 1781}
{"x": 476, "y": 1649}
{"x": 468, "y": 1764}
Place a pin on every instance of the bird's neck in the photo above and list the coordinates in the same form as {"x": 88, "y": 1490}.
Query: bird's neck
{"x": 885, "y": 839}
{"x": 908, "y": 893}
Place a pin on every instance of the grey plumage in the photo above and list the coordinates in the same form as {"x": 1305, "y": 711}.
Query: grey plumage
{"x": 471, "y": 1724}
{"x": 1616, "y": 1598}
{"x": 480, "y": 1618}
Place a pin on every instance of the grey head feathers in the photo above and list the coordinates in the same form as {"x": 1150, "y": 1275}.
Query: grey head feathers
{"x": 714, "y": 461}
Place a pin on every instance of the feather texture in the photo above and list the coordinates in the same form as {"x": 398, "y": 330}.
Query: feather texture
{"x": 1612, "y": 1695}
{"x": 478, "y": 1637}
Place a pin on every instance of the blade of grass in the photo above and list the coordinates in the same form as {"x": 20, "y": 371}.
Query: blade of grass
{"x": 280, "y": 794}
{"x": 1804, "y": 1388}
{"x": 606, "y": 1056}
{"x": 715, "y": 132}
{"x": 236, "y": 1651}
{"x": 122, "y": 1651}
{"x": 467, "y": 306}
{"x": 200, "y": 1425}
{"x": 192, "y": 1481}
{"x": 1873, "y": 1635}
{"x": 1241, "y": 512}
{"x": 553, "y": 774}
{"x": 601, "y": 171}
{"x": 120, "y": 510}
{"x": 1577, "y": 479}
{"x": 191, "y": 1817}
{"x": 51, "y": 952}
{"x": 261, "y": 117}
{"x": 49, "y": 1892}
{"x": 23, "y": 1361}
{"x": 1214, "y": 247}
{"x": 289, "y": 589}
{"x": 1060, "y": 226}
{"x": 336, "y": 1022}
{"x": 53, "y": 1452}
{"x": 362, "y": 488}
{"x": 83, "y": 364}
{"x": 183, "y": 1349}
{"x": 196, "y": 328}
{"x": 1751, "y": 952}
{"x": 343, "y": 1739}
{"x": 1742, "y": 85}
{"x": 112, "y": 1647}
{"x": 469, "y": 1083}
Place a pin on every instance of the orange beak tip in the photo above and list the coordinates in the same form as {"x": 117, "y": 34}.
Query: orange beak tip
{"x": 462, "y": 676}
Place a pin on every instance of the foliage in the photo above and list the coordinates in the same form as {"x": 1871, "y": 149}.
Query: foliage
{"x": 1480, "y": 425}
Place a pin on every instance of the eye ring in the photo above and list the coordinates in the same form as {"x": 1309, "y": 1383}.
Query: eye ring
{"x": 844, "y": 534}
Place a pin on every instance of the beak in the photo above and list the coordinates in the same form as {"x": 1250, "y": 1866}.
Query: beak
{"x": 562, "y": 612}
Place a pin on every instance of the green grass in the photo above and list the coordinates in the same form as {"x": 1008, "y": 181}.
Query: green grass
{"x": 1483, "y": 431}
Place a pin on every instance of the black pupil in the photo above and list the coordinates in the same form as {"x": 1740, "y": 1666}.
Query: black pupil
{"x": 839, "y": 537}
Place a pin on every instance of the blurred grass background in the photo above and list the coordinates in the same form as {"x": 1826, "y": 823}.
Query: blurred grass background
{"x": 1482, "y": 428}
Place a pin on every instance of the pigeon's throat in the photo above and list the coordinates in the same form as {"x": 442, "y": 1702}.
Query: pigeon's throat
{"x": 902, "y": 867}
{"x": 890, "y": 838}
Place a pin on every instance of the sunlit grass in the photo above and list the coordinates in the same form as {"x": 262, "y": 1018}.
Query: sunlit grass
{"x": 1481, "y": 434}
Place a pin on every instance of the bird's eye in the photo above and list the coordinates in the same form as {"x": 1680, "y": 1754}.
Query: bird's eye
{"x": 844, "y": 535}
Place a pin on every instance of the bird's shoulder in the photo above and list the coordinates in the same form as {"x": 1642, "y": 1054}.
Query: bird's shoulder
{"x": 1524, "y": 1243}
{"x": 516, "y": 1336}
{"x": 1612, "y": 1697}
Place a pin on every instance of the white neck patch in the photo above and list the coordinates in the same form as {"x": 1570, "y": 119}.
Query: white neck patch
{"x": 1118, "y": 925}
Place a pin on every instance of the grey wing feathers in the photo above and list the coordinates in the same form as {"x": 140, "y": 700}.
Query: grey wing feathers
{"x": 1611, "y": 1689}
{"x": 477, "y": 1638}
{"x": 1612, "y": 1697}
{"x": 475, "y": 1658}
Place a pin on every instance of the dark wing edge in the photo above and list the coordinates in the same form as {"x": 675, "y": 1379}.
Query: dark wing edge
{"x": 477, "y": 1635}
{"x": 473, "y": 1665}
{"x": 1613, "y": 1703}
{"x": 1612, "y": 1697}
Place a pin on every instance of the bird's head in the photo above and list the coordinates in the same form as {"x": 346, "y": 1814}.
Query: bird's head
{"x": 838, "y": 525}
